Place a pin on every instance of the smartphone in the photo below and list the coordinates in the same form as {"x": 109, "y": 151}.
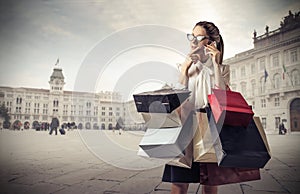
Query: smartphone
{"x": 210, "y": 43}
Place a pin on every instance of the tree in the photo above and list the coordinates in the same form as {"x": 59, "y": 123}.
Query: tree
{"x": 4, "y": 114}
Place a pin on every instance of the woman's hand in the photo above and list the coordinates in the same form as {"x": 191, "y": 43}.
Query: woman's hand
{"x": 215, "y": 53}
{"x": 195, "y": 55}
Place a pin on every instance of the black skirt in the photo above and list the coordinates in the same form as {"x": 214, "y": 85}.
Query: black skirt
{"x": 175, "y": 174}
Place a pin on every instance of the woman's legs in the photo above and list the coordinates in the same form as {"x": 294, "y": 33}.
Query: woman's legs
{"x": 209, "y": 189}
{"x": 179, "y": 188}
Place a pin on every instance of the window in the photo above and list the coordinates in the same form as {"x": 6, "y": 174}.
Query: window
{"x": 243, "y": 71}
{"x": 244, "y": 88}
{"x": 263, "y": 103}
{"x": 19, "y": 100}
{"x": 18, "y": 109}
{"x": 275, "y": 60}
{"x": 277, "y": 122}
{"x": 88, "y": 105}
{"x": 233, "y": 74}
{"x": 294, "y": 57}
{"x": 110, "y": 108}
{"x": 253, "y": 68}
{"x": 110, "y": 113}
{"x": 276, "y": 80}
{"x": 253, "y": 104}
{"x": 262, "y": 84}
{"x": 55, "y": 103}
{"x": 277, "y": 102}
{"x": 233, "y": 88}
{"x": 295, "y": 77}
{"x": 262, "y": 63}
{"x": 103, "y": 113}
{"x": 253, "y": 85}
{"x": 103, "y": 108}
{"x": 264, "y": 122}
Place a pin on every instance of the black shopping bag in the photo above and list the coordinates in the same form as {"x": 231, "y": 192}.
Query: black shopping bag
{"x": 238, "y": 146}
{"x": 160, "y": 101}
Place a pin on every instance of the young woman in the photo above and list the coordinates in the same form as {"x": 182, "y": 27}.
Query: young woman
{"x": 202, "y": 71}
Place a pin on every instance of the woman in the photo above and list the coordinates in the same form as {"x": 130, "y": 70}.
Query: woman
{"x": 202, "y": 71}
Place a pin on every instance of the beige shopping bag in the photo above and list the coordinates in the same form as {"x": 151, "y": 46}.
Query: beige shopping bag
{"x": 185, "y": 160}
{"x": 162, "y": 120}
{"x": 203, "y": 148}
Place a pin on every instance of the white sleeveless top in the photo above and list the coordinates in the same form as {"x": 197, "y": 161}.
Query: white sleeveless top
{"x": 200, "y": 84}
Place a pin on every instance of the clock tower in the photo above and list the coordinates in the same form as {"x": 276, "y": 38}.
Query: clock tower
{"x": 57, "y": 80}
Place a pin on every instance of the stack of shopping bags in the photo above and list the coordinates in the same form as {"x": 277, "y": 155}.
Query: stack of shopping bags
{"x": 226, "y": 132}
{"x": 168, "y": 135}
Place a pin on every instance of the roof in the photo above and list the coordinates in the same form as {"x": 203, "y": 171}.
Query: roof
{"x": 57, "y": 74}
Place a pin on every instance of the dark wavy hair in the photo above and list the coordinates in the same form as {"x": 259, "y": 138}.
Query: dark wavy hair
{"x": 214, "y": 35}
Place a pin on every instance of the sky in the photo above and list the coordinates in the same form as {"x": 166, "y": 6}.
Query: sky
{"x": 34, "y": 34}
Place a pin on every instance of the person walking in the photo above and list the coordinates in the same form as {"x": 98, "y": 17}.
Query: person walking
{"x": 54, "y": 124}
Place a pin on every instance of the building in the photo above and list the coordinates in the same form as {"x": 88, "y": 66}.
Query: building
{"x": 30, "y": 107}
{"x": 268, "y": 75}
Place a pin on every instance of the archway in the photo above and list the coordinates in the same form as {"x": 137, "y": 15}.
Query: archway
{"x": 80, "y": 126}
{"x": 17, "y": 125}
{"x": 35, "y": 125}
{"x": 103, "y": 126}
{"x": 88, "y": 125}
{"x": 26, "y": 125}
{"x": 295, "y": 114}
{"x": 110, "y": 126}
{"x": 95, "y": 126}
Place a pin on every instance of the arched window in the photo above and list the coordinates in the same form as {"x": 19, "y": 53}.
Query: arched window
{"x": 276, "y": 80}
{"x": 295, "y": 115}
{"x": 244, "y": 88}
{"x": 262, "y": 84}
{"x": 253, "y": 87}
{"x": 295, "y": 77}
{"x": 233, "y": 87}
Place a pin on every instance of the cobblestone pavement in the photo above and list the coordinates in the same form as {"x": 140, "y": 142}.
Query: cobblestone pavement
{"x": 35, "y": 162}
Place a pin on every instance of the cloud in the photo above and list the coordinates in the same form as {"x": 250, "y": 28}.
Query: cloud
{"x": 52, "y": 29}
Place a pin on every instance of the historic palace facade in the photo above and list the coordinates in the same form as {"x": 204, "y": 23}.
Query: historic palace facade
{"x": 268, "y": 75}
{"x": 29, "y": 107}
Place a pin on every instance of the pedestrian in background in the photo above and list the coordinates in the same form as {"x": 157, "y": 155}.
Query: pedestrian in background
{"x": 54, "y": 124}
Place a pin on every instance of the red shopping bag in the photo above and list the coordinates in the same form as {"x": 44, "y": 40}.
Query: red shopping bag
{"x": 230, "y": 108}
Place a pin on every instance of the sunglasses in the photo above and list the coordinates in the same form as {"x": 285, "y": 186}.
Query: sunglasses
{"x": 199, "y": 38}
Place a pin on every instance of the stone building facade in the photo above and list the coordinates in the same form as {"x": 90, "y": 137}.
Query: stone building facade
{"x": 29, "y": 106}
{"x": 268, "y": 75}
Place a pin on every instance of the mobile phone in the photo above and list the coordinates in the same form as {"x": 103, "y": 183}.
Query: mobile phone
{"x": 210, "y": 43}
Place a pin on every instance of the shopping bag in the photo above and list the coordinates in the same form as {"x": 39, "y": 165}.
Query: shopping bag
{"x": 162, "y": 120}
{"x": 160, "y": 101}
{"x": 168, "y": 142}
{"x": 230, "y": 108}
{"x": 213, "y": 175}
{"x": 236, "y": 146}
{"x": 203, "y": 148}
